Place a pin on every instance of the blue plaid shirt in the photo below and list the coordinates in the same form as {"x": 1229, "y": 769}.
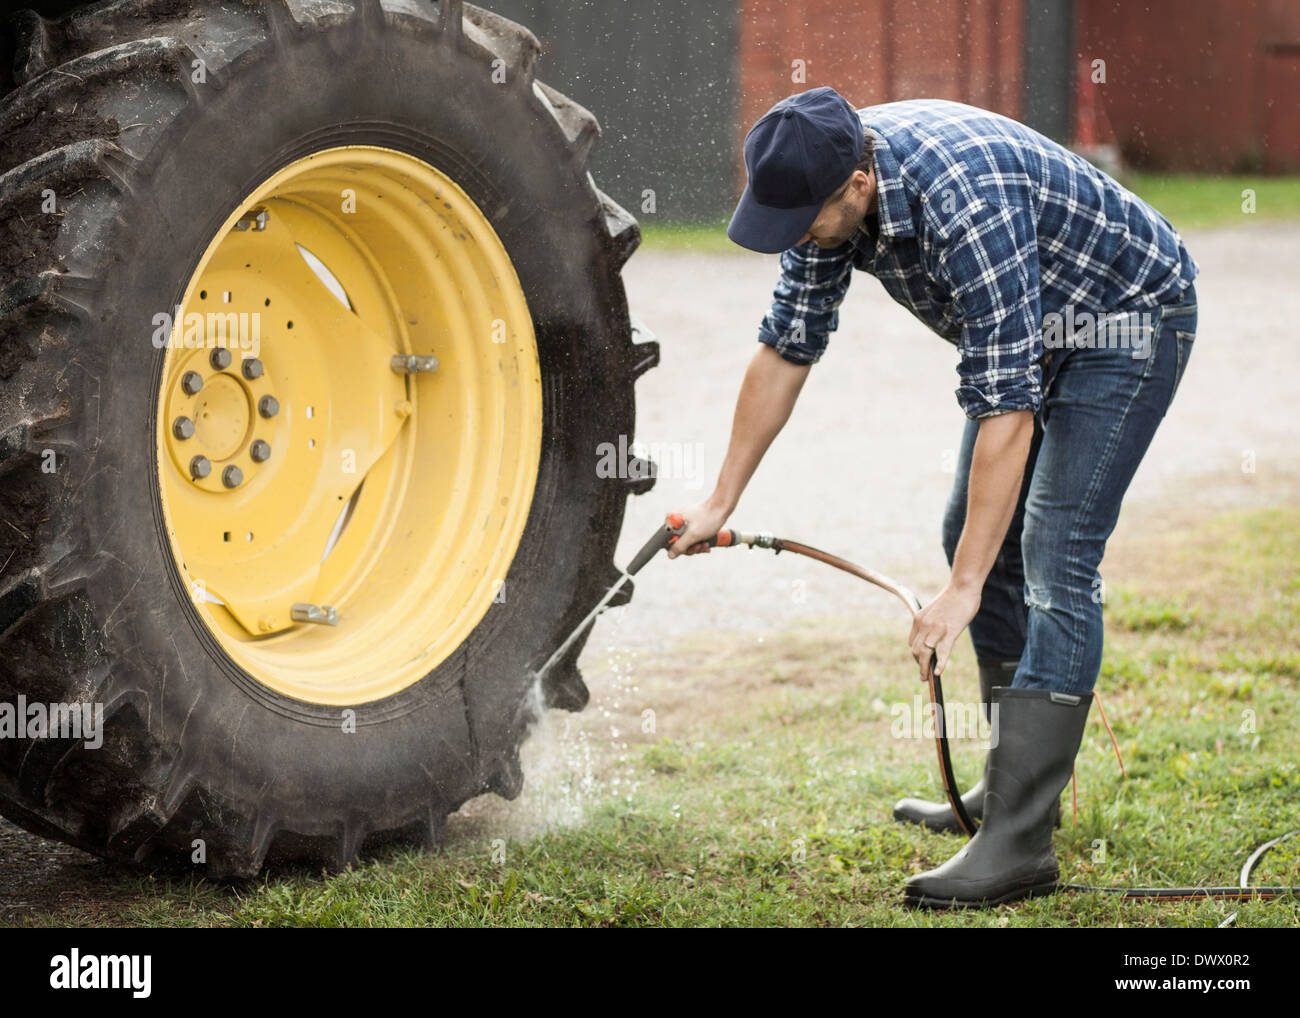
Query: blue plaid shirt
{"x": 982, "y": 227}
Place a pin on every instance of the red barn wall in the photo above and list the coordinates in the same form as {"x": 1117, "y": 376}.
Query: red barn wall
{"x": 1202, "y": 85}
{"x": 874, "y": 51}
{"x": 1206, "y": 85}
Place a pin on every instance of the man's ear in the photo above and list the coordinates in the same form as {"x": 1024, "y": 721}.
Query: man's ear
{"x": 869, "y": 187}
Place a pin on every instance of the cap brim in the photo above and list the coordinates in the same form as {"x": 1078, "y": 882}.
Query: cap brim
{"x": 766, "y": 229}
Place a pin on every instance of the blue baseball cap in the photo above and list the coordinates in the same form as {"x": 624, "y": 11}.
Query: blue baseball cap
{"x": 799, "y": 153}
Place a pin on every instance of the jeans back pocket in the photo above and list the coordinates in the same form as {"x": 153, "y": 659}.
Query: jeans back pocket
{"x": 1184, "y": 340}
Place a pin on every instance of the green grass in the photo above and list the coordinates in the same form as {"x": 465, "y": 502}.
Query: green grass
{"x": 701, "y": 238}
{"x": 1189, "y": 201}
{"x": 1194, "y": 202}
{"x": 772, "y": 806}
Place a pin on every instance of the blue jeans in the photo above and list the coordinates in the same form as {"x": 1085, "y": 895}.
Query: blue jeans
{"x": 1042, "y": 601}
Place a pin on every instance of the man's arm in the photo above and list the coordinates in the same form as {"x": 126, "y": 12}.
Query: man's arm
{"x": 794, "y": 334}
{"x": 996, "y": 472}
{"x": 767, "y": 395}
{"x": 806, "y": 301}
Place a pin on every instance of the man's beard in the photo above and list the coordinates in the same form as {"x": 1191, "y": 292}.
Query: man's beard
{"x": 847, "y": 228}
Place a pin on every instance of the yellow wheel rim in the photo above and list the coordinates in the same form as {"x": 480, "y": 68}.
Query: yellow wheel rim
{"x": 307, "y": 474}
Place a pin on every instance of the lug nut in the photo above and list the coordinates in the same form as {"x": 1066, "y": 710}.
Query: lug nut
{"x": 200, "y": 467}
{"x": 220, "y": 358}
{"x": 268, "y": 406}
{"x": 260, "y": 450}
{"x": 232, "y": 477}
{"x": 252, "y": 368}
{"x": 192, "y": 382}
{"x": 183, "y": 428}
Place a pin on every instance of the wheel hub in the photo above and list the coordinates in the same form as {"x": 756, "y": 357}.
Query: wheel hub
{"x": 220, "y": 406}
{"x": 222, "y": 417}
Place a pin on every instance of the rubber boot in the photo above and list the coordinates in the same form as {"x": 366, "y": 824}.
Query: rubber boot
{"x": 1011, "y": 856}
{"x": 938, "y": 816}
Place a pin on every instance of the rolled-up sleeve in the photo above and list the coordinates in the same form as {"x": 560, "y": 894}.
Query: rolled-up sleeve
{"x": 805, "y": 304}
{"x": 990, "y": 266}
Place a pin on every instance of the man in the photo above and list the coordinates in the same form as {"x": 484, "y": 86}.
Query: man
{"x": 995, "y": 237}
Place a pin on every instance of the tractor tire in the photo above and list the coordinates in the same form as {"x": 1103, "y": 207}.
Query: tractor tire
{"x": 132, "y": 134}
